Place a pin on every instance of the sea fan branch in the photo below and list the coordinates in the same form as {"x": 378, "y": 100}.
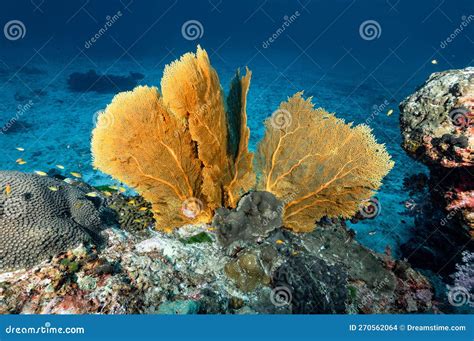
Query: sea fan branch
{"x": 319, "y": 165}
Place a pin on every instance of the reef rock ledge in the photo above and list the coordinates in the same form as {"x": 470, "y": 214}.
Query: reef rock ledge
{"x": 437, "y": 126}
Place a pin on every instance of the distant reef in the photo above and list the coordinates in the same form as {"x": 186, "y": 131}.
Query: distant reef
{"x": 92, "y": 81}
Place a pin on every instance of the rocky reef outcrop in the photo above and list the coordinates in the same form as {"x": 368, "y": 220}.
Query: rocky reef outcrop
{"x": 195, "y": 270}
{"x": 42, "y": 216}
{"x": 437, "y": 125}
{"x": 257, "y": 214}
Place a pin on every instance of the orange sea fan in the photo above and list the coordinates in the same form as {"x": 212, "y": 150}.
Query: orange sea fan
{"x": 242, "y": 175}
{"x": 139, "y": 142}
{"x": 177, "y": 150}
{"x": 317, "y": 164}
{"x": 186, "y": 151}
{"x": 191, "y": 89}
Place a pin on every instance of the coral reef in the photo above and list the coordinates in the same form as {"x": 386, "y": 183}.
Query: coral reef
{"x": 432, "y": 231}
{"x": 317, "y": 164}
{"x": 437, "y": 126}
{"x": 41, "y": 217}
{"x": 461, "y": 293}
{"x": 134, "y": 214}
{"x": 201, "y": 148}
{"x": 105, "y": 83}
{"x": 314, "y": 286}
{"x": 247, "y": 271}
{"x": 464, "y": 275}
{"x": 164, "y": 274}
{"x": 437, "y": 129}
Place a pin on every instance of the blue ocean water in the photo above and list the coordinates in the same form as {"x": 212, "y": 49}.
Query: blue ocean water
{"x": 356, "y": 58}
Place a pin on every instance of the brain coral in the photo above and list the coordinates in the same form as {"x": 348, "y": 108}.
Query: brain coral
{"x": 41, "y": 217}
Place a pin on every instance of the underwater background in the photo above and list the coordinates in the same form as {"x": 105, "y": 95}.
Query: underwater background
{"x": 356, "y": 58}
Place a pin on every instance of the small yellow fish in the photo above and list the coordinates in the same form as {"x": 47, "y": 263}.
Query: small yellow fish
{"x": 76, "y": 175}
{"x": 143, "y": 209}
{"x": 40, "y": 173}
{"x": 20, "y": 149}
{"x": 122, "y": 190}
{"x": 8, "y": 189}
{"x": 22, "y": 162}
{"x": 211, "y": 228}
{"x": 137, "y": 221}
{"x": 107, "y": 193}
{"x": 279, "y": 241}
{"x": 60, "y": 166}
{"x": 92, "y": 194}
{"x": 113, "y": 187}
{"x": 389, "y": 112}
{"x": 434, "y": 62}
{"x": 131, "y": 202}
{"x": 53, "y": 188}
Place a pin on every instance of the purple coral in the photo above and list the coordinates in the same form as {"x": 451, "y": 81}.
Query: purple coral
{"x": 464, "y": 275}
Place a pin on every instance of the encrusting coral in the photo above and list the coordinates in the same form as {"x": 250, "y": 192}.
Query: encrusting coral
{"x": 174, "y": 148}
{"x": 317, "y": 164}
{"x": 186, "y": 150}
